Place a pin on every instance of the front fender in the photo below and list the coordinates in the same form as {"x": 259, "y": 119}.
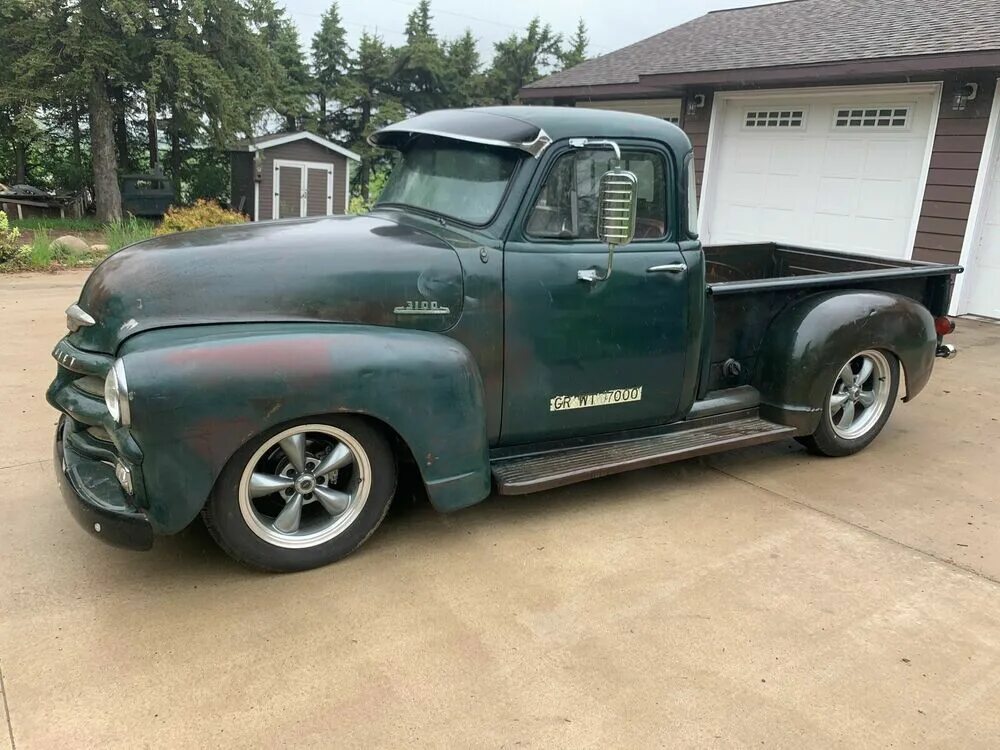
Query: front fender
{"x": 199, "y": 393}
{"x": 807, "y": 344}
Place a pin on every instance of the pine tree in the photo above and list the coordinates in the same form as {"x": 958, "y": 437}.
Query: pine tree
{"x": 576, "y": 52}
{"x": 331, "y": 61}
{"x": 370, "y": 101}
{"x": 517, "y": 59}
{"x": 281, "y": 38}
{"x": 419, "y": 71}
{"x": 463, "y": 80}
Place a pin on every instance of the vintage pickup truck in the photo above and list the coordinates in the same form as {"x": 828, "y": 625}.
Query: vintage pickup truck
{"x": 528, "y": 305}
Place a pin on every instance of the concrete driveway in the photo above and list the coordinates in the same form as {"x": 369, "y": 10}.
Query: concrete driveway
{"x": 761, "y": 598}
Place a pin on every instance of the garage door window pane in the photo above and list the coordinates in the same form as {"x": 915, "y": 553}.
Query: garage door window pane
{"x": 878, "y": 118}
{"x": 566, "y": 207}
{"x": 777, "y": 118}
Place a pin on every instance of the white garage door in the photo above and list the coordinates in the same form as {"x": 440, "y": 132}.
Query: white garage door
{"x": 840, "y": 170}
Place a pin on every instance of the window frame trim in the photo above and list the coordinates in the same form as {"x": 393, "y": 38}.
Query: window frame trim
{"x": 626, "y": 144}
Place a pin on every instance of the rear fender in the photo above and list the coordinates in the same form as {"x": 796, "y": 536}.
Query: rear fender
{"x": 807, "y": 344}
{"x": 200, "y": 393}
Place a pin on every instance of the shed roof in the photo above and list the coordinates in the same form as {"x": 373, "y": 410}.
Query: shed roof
{"x": 794, "y": 33}
{"x": 264, "y": 142}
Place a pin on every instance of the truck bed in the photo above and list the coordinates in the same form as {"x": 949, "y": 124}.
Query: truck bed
{"x": 733, "y": 268}
{"x": 749, "y": 284}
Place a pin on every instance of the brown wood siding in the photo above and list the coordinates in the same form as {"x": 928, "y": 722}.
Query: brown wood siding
{"x": 957, "y": 150}
{"x": 241, "y": 182}
{"x": 696, "y": 126}
{"x": 302, "y": 150}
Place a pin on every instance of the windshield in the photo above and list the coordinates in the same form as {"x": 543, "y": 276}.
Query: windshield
{"x": 464, "y": 181}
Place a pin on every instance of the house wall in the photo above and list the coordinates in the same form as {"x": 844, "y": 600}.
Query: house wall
{"x": 696, "y": 126}
{"x": 302, "y": 151}
{"x": 958, "y": 148}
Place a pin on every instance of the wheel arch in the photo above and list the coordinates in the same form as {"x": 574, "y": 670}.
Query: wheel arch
{"x": 807, "y": 343}
{"x": 200, "y": 394}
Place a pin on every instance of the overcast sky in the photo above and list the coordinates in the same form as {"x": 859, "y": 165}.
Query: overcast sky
{"x": 611, "y": 23}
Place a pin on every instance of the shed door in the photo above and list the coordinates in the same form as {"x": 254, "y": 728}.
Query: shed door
{"x": 319, "y": 194}
{"x": 840, "y": 170}
{"x": 302, "y": 188}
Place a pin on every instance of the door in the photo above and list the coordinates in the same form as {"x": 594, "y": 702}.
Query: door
{"x": 840, "y": 170}
{"x": 319, "y": 190}
{"x": 592, "y": 357}
{"x": 302, "y": 188}
{"x": 983, "y": 276}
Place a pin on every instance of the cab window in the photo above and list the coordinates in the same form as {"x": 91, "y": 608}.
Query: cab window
{"x": 566, "y": 207}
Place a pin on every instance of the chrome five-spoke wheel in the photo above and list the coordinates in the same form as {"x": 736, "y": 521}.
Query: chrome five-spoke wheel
{"x": 860, "y": 394}
{"x": 303, "y": 494}
{"x": 304, "y": 486}
{"x": 856, "y": 405}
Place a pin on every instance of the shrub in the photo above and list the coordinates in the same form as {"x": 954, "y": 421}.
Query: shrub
{"x": 376, "y": 184}
{"x": 12, "y": 253}
{"x": 201, "y": 214}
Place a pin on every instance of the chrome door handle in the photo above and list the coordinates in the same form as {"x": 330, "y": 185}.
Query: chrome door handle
{"x": 668, "y": 268}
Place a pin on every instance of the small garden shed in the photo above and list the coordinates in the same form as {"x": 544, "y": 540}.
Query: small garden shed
{"x": 288, "y": 175}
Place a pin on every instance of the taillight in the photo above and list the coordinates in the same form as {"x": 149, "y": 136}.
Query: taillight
{"x": 944, "y": 325}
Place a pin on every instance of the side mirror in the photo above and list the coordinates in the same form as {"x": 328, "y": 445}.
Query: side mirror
{"x": 617, "y": 193}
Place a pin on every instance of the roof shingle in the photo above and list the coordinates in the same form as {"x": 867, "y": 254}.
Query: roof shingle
{"x": 797, "y": 32}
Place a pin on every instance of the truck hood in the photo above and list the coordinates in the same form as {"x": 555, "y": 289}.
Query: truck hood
{"x": 350, "y": 269}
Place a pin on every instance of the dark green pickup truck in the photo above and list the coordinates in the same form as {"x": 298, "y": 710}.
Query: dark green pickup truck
{"x": 527, "y": 306}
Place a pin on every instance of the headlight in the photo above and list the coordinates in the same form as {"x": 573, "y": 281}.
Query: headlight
{"x": 116, "y": 394}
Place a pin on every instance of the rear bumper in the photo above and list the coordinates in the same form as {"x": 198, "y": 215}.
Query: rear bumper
{"x": 946, "y": 351}
{"x": 95, "y": 498}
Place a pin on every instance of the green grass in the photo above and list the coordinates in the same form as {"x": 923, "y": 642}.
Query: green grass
{"x": 62, "y": 226}
{"x": 117, "y": 235}
{"x": 128, "y": 231}
{"x": 41, "y": 253}
{"x": 43, "y": 257}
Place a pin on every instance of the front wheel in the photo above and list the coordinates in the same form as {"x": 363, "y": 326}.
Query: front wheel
{"x": 304, "y": 495}
{"x": 857, "y": 405}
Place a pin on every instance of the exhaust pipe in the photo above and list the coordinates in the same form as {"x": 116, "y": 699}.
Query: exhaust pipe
{"x": 946, "y": 351}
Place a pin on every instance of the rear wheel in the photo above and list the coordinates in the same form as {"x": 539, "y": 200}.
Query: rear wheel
{"x": 304, "y": 495}
{"x": 858, "y": 404}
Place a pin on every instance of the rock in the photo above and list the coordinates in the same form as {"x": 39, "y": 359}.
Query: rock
{"x": 103, "y": 249}
{"x": 70, "y": 244}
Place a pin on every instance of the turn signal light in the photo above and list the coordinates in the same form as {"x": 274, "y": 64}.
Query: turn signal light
{"x": 944, "y": 325}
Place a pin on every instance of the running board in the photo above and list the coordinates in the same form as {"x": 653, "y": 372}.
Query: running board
{"x": 534, "y": 473}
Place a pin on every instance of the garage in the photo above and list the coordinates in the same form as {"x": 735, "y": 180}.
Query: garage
{"x": 843, "y": 169}
{"x": 980, "y": 290}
